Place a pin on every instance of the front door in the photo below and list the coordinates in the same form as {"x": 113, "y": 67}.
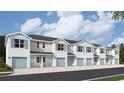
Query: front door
{"x": 34, "y": 63}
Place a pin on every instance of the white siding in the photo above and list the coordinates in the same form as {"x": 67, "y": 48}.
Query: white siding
{"x": 48, "y": 46}
{"x": 17, "y": 52}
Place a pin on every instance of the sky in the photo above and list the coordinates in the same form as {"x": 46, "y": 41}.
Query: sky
{"x": 95, "y": 26}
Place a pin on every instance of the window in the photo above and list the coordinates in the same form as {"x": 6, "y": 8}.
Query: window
{"x": 43, "y": 45}
{"x": 116, "y": 51}
{"x": 80, "y": 48}
{"x": 43, "y": 59}
{"x": 37, "y": 44}
{"x": 38, "y": 59}
{"x": 18, "y": 43}
{"x": 101, "y": 50}
{"x": 60, "y": 47}
{"x": 21, "y": 43}
{"x": 88, "y": 49}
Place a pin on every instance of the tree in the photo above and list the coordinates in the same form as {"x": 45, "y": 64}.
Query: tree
{"x": 2, "y": 46}
{"x": 117, "y": 15}
{"x": 122, "y": 55}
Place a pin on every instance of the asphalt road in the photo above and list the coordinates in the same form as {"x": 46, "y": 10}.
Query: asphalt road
{"x": 65, "y": 76}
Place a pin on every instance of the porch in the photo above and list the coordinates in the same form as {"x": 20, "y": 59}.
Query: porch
{"x": 41, "y": 59}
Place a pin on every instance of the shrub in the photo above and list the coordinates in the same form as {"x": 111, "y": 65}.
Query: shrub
{"x": 3, "y": 66}
{"x": 122, "y": 55}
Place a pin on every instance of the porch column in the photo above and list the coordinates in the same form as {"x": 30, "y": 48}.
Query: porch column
{"x": 75, "y": 62}
{"x": 66, "y": 62}
{"x": 92, "y": 62}
{"x": 28, "y": 62}
{"x": 41, "y": 65}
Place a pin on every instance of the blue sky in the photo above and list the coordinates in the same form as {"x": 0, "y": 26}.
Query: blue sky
{"x": 91, "y": 25}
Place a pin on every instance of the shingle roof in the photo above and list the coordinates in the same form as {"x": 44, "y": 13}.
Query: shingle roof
{"x": 96, "y": 44}
{"x": 41, "y": 52}
{"x": 71, "y": 41}
{"x": 38, "y": 37}
{"x": 70, "y": 54}
{"x": 46, "y": 38}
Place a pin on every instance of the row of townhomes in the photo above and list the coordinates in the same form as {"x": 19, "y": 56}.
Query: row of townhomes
{"x": 34, "y": 51}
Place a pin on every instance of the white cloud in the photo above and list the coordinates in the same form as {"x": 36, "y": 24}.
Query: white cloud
{"x": 31, "y": 25}
{"x": 102, "y": 27}
{"x": 117, "y": 41}
{"x": 67, "y": 27}
{"x": 67, "y": 13}
{"x": 49, "y": 13}
{"x": 50, "y": 27}
{"x": 72, "y": 25}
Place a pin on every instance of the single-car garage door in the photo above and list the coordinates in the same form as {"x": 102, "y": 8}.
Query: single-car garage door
{"x": 80, "y": 62}
{"x": 19, "y": 62}
{"x": 60, "y": 62}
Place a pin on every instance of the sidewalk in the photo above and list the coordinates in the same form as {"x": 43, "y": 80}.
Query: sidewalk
{"x": 60, "y": 69}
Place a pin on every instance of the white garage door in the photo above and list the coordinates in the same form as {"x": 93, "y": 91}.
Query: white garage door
{"x": 116, "y": 61}
{"x": 60, "y": 62}
{"x": 19, "y": 62}
{"x": 80, "y": 62}
{"x": 89, "y": 61}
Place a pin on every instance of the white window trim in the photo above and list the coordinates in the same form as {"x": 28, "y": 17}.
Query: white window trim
{"x": 19, "y": 43}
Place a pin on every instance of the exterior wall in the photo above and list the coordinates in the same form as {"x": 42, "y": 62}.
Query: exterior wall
{"x": 70, "y": 60}
{"x": 116, "y": 56}
{"x": 83, "y": 54}
{"x": 48, "y": 59}
{"x": 70, "y": 49}
{"x": 101, "y": 55}
{"x": 59, "y": 54}
{"x": 17, "y": 52}
{"x": 48, "y": 46}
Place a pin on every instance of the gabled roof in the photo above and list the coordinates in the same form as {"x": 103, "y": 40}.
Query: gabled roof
{"x": 46, "y": 38}
{"x": 96, "y": 45}
{"x": 39, "y": 37}
{"x": 84, "y": 41}
{"x": 37, "y": 52}
{"x": 15, "y": 34}
{"x": 71, "y": 41}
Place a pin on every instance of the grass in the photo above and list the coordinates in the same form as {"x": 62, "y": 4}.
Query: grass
{"x": 5, "y": 69}
{"x": 111, "y": 78}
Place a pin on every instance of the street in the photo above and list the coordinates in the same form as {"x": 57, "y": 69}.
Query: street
{"x": 65, "y": 76}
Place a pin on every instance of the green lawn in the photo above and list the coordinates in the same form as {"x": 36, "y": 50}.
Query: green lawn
{"x": 111, "y": 78}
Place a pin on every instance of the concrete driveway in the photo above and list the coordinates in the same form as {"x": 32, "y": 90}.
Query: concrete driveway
{"x": 60, "y": 69}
